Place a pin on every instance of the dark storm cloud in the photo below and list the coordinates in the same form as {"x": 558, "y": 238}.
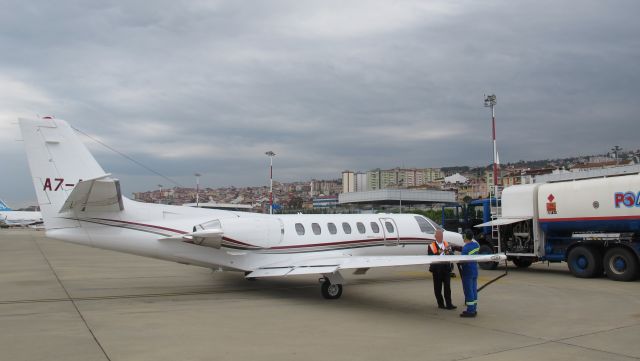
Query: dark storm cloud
{"x": 210, "y": 86}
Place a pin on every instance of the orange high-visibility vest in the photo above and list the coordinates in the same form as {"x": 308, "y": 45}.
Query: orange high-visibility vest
{"x": 434, "y": 246}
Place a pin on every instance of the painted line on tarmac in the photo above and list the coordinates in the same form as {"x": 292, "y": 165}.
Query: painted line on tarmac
{"x": 72, "y": 301}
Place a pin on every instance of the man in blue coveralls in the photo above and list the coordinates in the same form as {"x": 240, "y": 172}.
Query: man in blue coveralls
{"x": 469, "y": 275}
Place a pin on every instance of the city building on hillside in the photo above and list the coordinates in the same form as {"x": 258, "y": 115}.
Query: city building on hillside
{"x": 456, "y": 178}
{"x": 348, "y": 181}
{"x": 401, "y": 177}
{"x": 324, "y": 187}
{"x": 361, "y": 182}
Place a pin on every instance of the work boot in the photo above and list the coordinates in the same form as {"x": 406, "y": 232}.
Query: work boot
{"x": 468, "y": 314}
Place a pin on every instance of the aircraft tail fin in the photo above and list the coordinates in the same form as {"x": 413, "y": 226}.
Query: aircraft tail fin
{"x": 3, "y": 206}
{"x": 66, "y": 177}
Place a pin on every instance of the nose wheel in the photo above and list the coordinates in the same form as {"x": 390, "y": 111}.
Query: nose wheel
{"x": 331, "y": 291}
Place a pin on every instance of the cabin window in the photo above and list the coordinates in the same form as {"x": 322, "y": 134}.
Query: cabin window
{"x": 425, "y": 226}
{"x": 389, "y": 226}
{"x": 374, "y": 227}
{"x": 332, "y": 228}
{"x": 300, "y": 229}
{"x": 360, "y": 226}
{"x": 315, "y": 227}
{"x": 346, "y": 227}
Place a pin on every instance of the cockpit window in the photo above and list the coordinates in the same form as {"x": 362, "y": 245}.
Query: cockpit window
{"x": 300, "y": 229}
{"x": 346, "y": 227}
{"x": 425, "y": 226}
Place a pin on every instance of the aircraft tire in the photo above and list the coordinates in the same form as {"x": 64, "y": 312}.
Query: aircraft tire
{"x": 331, "y": 291}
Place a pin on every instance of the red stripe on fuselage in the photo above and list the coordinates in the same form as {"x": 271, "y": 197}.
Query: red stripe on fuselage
{"x": 350, "y": 242}
{"x": 615, "y": 218}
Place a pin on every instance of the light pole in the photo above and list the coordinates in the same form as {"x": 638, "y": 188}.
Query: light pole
{"x": 197, "y": 189}
{"x": 160, "y": 193}
{"x": 490, "y": 102}
{"x": 271, "y": 155}
{"x": 400, "y": 196}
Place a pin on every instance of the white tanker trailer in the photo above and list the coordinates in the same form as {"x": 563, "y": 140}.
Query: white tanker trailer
{"x": 592, "y": 224}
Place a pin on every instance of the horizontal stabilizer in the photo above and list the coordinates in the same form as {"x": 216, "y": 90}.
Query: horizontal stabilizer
{"x": 96, "y": 194}
{"x": 207, "y": 238}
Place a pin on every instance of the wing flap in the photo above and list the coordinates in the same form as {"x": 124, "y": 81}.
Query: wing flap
{"x": 292, "y": 271}
{"x": 313, "y": 270}
{"x": 330, "y": 265}
{"x": 269, "y": 272}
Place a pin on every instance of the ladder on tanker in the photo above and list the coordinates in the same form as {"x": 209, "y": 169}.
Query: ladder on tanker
{"x": 496, "y": 211}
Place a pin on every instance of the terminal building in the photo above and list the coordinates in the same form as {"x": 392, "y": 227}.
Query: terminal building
{"x": 400, "y": 197}
{"x": 325, "y": 202}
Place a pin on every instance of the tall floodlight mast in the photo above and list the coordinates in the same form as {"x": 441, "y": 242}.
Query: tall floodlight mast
{"x": 490, "y": 102}
{"x": 271, "y": 155}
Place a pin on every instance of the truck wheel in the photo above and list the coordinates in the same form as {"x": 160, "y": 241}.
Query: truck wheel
{"x": 621, "y": 264}
{"x": 486, "y": 249}
{"x": 522, "y": 262}
{"x": 585, "y": 262}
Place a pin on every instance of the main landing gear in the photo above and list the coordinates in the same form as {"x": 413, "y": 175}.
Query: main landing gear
{"x": 331, "y": 285}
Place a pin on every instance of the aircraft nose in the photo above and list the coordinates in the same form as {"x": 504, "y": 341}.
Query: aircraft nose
{"x": 454, "y": 239}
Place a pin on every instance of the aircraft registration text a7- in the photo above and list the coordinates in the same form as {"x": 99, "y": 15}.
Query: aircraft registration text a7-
{"x": 81, "y": 203}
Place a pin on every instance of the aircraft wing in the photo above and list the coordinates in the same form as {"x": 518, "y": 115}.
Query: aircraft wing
{"x": 330, "y": 265}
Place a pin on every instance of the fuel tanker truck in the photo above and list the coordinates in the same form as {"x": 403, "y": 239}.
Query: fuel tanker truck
{"x": 592, "y": 224}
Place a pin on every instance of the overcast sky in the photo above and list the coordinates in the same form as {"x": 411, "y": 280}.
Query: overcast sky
{"x": 209, "y": 86}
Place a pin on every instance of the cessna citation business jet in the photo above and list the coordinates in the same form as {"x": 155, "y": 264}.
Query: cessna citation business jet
{"x": 82, "y": 204}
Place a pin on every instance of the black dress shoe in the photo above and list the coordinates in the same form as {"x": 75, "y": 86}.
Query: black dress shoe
{"x": 441, "y": 306}
{"x": 468, "y": 314}
{"x": 451, "y": 307}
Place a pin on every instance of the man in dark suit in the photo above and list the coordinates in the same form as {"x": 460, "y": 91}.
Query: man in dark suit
{"x": 441, "y": 272}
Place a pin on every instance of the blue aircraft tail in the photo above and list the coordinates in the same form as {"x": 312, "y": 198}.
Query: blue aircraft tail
{"x": 3, "y": 206}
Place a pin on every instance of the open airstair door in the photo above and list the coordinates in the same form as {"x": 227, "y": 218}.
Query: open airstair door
{"x": 101, "y": 194}
{"x": 390, "y": 232}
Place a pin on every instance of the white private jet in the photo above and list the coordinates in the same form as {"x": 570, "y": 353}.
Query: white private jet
{"x": 9, "y": 217}
{"x": 82, "y": 204}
